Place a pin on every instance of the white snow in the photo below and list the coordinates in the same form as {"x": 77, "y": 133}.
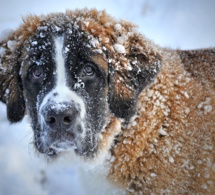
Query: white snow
{"x": 187, "y": 110}
{"x": 162, "y": 132}
{"x": 11, "y": 45}
{"x": 134, "y": 123}
{"x": 204, "y": 186}
{"x": 153, "y": 175}
{"x": 208, "y": 108}
{"x": 94, "y": 42}
{"x": 79, "y": 84}
{"x": 205, "y": 106}
{"x": 171, "y": 159}
{"x": 119, "y": 48}
{"x": 86, "y": 23}
{"x": 34, "y": 43}
{"x": 150, "y": 93}
{"x": 2, "y": 51}
{"x": 57, "y": 28}
{"x": 186, "y": 95}
{"x": 7, "y": 91}
{"x": 120, "y": 40}
{"x": 117, "y": 27}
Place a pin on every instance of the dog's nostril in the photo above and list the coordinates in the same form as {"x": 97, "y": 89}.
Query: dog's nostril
{"x": 67, "y": 120}
{"x": 51, "y": 120}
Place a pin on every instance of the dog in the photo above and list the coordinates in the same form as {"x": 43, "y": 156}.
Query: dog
{"x": 95, "y": 87}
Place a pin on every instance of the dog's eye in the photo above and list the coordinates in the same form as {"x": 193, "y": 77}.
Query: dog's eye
{"x": 37, "y": 72}
{"x": 88, "y": 70}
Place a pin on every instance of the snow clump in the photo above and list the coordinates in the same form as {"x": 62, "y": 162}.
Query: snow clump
{"x": 119, "y": 48}
{"x": 11, "y": 45}
{"x": 117, "y": 27}
{"x": 2, "y": 51}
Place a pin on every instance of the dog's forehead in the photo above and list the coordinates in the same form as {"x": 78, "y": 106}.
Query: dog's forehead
{"x": 44, "y": 40}
{"x": 96, "y": 31}
{"x": 40, "y": 47}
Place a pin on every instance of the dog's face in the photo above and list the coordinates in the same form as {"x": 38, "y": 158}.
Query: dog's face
{"x": 65, "y": 84}
{"x": 71, "y": 82}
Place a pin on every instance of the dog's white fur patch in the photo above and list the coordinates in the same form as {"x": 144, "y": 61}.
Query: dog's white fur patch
{"x": 64, "y": 93}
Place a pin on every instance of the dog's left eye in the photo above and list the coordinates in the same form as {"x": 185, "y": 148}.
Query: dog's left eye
{"x": 37, "y": 72}
{"x": 88, "y": 70}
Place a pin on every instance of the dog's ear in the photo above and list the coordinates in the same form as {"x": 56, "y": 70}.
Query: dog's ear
{"x": 129, "y": 76}
{"x": 11, "y": 92}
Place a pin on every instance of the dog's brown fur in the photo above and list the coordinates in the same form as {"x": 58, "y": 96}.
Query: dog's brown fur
{"x": 168, "y": 147}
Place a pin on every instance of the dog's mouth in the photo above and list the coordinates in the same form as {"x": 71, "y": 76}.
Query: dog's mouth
{"x": 55, "y": 142}
{"x": 52, "y": 144}
{"x": 61, "y": 146}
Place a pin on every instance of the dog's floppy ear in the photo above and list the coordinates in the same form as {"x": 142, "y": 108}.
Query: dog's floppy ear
{"x": 11, "y": 91}
{"x": 129, "y": 76}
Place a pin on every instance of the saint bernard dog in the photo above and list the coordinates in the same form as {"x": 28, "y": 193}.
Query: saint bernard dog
{"x": 93, "y": 86}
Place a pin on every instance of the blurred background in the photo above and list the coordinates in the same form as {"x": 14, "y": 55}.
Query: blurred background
{"x": 184, "y": 24}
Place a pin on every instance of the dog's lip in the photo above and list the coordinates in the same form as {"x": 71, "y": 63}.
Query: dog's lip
{"x": 64, "y": 144}
{"x": 61, "y": 146}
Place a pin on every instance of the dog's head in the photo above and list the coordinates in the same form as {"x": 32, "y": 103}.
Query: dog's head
{"x": 73, "y": 73}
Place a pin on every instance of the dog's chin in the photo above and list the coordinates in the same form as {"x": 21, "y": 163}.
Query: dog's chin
{"x": 61, "y": 146}
{"x": 54, "y": 144}
{"x": 50, "y": 147}
{"x": 57, "y": 147}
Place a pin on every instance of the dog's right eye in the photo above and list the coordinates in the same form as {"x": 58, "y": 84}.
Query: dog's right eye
{"x": 37, "y": 72}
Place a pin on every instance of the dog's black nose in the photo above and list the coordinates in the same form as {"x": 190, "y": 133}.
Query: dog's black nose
{"x": 61, "y": 120}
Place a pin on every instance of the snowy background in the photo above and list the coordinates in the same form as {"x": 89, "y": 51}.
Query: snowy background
{"x": 185, "y": 24}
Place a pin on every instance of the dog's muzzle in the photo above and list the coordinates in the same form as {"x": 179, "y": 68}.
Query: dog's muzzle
{"x": 62, "y": 124}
